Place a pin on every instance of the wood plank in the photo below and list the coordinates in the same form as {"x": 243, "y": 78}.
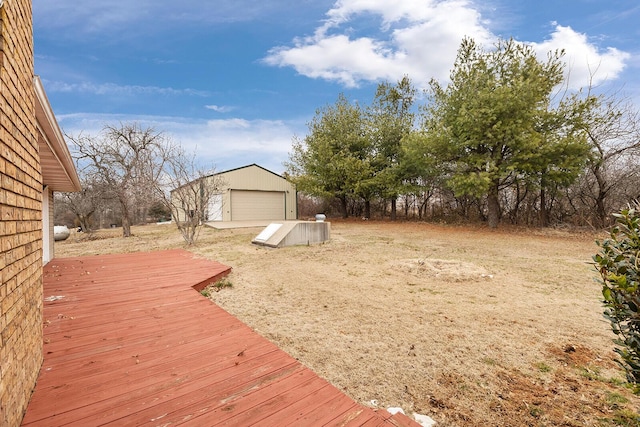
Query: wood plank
{"x": 153, "y": 401}
{"x": 226, "y": 399}
{"x": 138, "y": 362}
{"x": 151, "y": 351}
{"x": 291, "y": 415}
{"x": 334, "y": 413}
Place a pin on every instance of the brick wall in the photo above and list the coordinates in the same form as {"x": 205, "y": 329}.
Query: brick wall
{"x": 20, "y": 216}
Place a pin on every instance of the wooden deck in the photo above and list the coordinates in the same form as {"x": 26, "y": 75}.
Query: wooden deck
{"x": 128, "y": 341}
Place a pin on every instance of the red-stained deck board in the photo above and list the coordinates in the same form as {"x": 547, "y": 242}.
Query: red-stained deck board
{"x": 109, "y": 361}
{"x": 128, "y": 341}
{"x": 143, "y": 374}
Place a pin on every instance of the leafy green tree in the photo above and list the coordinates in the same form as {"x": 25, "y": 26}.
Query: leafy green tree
{"x": 333, "y": 160}
{"x": 422, "y": 171}
{"x": 390, "y": 120}
{"x": 494, "y": 123}
{"x": 618, "y": 263}
{"x": 563, "y": 150}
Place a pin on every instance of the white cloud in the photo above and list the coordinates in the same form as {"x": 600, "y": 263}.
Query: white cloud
{"x": 227, "y": 144}
{"x": 585, "y": 62}
{"x": 123, "y": 18}
{"x": 219, "y": 108}
{"x": 417, "y": 37}
{"x": 420, "y": 38}
{"x": 120, "y": 90}
{"x": 413, "y": 11}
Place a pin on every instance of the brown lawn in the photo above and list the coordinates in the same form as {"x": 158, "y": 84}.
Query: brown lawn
{"x": 469, "y": 326}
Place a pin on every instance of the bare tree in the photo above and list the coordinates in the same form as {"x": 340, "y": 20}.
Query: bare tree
{"x": 127, "y": 160}
{"x": 190, "y": 192}
{"x": 85, "y": 203}
{"x": 614, "y": 136}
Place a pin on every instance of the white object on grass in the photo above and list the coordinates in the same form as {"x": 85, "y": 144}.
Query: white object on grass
{"x": 60, "y": 232}
{"x": 424, "y": 420}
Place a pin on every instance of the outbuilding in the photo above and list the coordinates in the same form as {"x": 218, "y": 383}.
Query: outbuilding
{"x": 253, "y": 193}
{"x": 250, "y": 193}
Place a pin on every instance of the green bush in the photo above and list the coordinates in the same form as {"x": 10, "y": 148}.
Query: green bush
{"x": 618, "y": 262}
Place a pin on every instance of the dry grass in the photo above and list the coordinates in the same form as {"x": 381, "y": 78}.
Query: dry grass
{"x": 469, "y": 326}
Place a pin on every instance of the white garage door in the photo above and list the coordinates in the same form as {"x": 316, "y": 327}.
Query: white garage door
{"x": 257, "y": 205}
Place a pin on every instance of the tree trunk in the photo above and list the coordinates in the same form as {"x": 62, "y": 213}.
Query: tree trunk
{"x": 367, "y": 209}
{"x": 515, "y": 211}
{"x": 493, "y": 207}
{"x": 422, "y": 210}
{"x": 343, "y": 207}
{"x": 190, "y": 233}
{"x": 85, "y": 221}
{"x": 601, "y": 212}
{"x": 406, "y": 207}
{"x": 393, "y": 209}
{"x": 544, "y": 213}
{"x": 126, "y": 221}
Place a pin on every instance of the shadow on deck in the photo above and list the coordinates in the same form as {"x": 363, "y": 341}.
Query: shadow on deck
{"x": 127, "y": 341}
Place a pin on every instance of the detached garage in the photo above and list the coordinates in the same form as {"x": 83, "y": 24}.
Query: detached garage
{"x": 253, "y": 193}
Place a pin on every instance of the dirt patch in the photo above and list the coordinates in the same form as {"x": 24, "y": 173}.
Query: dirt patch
{"x": 443, "y": 269}
{"x": 473, "y": 327}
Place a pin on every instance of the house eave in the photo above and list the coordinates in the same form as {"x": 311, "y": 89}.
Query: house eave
{"x": 58, "y": 169}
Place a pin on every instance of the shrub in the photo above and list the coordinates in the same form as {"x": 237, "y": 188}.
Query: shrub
{"x": 618, "y": 263}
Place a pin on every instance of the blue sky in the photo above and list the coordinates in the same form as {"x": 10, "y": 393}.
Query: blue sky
{"x": 236, "y": 80}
